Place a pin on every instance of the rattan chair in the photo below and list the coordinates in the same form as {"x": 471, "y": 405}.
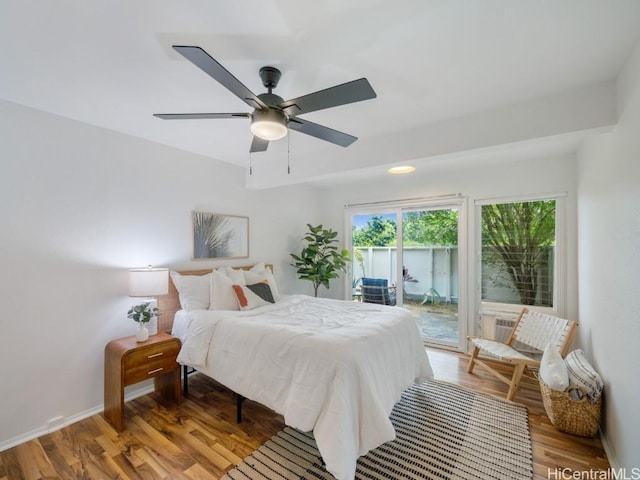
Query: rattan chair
{"x": 533, "y": 330}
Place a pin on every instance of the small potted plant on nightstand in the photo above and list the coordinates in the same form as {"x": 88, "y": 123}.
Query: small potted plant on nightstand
{"x": 142, "y": 314}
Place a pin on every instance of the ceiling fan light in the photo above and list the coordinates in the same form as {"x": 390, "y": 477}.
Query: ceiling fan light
{"x": 268, "y": 130}
{"x": 269, "y": 124}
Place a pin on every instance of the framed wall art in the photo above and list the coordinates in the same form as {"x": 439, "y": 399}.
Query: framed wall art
{"x": 219, "y": 236}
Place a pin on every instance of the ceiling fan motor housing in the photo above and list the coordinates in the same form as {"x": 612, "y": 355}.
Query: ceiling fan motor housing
{"x": 270, "y": 77}
{"x": 271, "y": 99}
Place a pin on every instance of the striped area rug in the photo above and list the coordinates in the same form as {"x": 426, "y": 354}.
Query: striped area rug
{"x": 442, "y": 432}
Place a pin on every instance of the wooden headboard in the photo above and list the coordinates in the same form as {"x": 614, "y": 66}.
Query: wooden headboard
{"x": 169, "y": 304}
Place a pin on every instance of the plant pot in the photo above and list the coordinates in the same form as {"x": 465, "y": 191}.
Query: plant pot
{"x": 142, "y": 335}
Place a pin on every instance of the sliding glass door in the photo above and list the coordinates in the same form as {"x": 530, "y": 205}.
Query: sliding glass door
{"x": 411, "y": 255}
{"x": 430, "y": 271}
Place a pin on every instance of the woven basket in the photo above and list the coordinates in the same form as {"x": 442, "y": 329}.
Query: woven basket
{"x": 578, "y": 417}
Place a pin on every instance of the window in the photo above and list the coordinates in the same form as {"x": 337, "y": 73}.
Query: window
{"x": 519, "y": 252}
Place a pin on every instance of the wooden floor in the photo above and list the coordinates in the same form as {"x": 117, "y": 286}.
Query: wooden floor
{"x": 200, "y": 439}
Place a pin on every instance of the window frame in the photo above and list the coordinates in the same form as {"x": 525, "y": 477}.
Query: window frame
{"x": 559, "y": 306}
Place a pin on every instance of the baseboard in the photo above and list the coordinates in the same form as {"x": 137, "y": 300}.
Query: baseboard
{"x": 608, "y": 449}
{"x": 38, "y": 432}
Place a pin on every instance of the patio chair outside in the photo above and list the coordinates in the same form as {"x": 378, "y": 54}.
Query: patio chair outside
{"x": 377, "y": 290}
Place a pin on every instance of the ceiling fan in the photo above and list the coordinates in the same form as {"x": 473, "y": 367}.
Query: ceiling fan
{"x": 272, "y": 116}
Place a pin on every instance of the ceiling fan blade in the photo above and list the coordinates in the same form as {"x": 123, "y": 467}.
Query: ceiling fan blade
{"x": 209, "y": 65}
{"x": 350, "y": 92}
{"x": 198, "y": 116}
{"x": 321, "y": 132}
{"x": 258, "y": 145}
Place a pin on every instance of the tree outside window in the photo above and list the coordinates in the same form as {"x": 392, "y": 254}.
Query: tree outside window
{"x": 518, "y": 252}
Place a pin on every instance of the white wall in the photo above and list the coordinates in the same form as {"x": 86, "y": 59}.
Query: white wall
{"x": 609, "y": 220}
{"x": 553, "y": 174}
{"x": 79, "y": 205}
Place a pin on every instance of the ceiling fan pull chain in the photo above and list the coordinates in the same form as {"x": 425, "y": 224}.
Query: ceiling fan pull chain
{"x": 250, "y": 164}
{"x": 288, "y": 151}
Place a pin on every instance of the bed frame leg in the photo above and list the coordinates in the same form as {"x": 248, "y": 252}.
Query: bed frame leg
{"x": 185, "y": 380}
{"x": 239, "y": 400}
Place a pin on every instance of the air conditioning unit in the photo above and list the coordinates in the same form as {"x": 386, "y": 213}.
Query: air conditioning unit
{"x": 503, "y": 328}
{"x": 497, "y": 325}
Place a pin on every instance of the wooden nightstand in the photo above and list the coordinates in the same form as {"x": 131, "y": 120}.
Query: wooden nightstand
{"x": 127, "y": 361}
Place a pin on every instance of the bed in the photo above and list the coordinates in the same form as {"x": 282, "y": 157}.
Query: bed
{"x": 333, "y": 367}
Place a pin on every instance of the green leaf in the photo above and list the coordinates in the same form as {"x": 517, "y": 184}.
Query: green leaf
{"x": 143, "y": 312}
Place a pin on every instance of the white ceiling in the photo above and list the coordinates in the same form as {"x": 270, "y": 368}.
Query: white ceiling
{"x": 435, "y": 64}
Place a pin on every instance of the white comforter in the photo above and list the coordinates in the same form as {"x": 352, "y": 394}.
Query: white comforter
{"x": 334, "y": 367}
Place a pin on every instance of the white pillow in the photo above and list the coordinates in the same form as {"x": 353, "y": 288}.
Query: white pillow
{"x": 553, "y": 370}
{"x": 222, "y": 294}
{"x": 582, "y": 374}
{"x": 265, "y": 274}
{"x": 258, "y": 267}
{"x": 193, "y": 290}
{"x": 252, "y": 277}
{"x": 236, "y": 276}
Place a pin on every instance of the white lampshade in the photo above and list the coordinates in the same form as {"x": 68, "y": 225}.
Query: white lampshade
{"x": 148, "y": 282}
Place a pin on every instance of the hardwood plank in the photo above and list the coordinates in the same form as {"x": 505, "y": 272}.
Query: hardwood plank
{"x": 156, "y": 464}
{"x": 198, "y": 473}
{"x": 208, "y": 456}
{"x": 34, "y": 461}
{"x": 3, "y": 470}
{"x": 199, "y": 439}
{"x": 103, "y": 466}
{"x": 109, "y": 447}
{"x": 125, "y": 465}
{"x": 167, "y": 454}
{"x": 57, "y": 457}
{"x": 12, "y": 469}
{"x": 215, "y": 445}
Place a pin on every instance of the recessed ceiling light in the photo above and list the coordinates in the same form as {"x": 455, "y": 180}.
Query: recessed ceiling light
{"x": 401, "y": 170}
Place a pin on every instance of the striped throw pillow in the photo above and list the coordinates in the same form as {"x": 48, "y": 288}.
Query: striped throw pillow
{"x": 583, "y": 375}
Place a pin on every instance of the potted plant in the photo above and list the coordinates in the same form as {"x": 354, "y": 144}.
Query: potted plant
{"x": 142, "y": 314}
{"x": 320, "y": 260}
